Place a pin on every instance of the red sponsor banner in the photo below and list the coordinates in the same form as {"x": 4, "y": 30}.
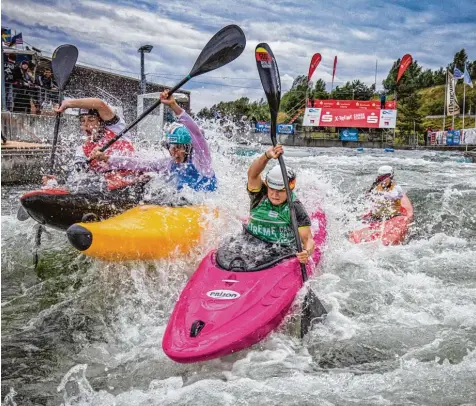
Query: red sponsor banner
{"x": 404, "y": 64}
{"x": 332, "y": 117}
{"x": 354, "y": 104}
{"x": 316, "y": 59}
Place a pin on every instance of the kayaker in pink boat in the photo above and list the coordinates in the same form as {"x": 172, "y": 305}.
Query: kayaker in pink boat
{"x": 270, "y": 218}
{"x": 386, "y": 196}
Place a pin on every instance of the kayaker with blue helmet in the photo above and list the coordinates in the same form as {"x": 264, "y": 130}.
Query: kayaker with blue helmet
{"x": 191, "y": 163}
{"x": 270, "y": 217}
{"x": 385, "y": 195}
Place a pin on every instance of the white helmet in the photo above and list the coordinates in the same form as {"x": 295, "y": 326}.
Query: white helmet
{"x": 385, "y": 170}
{"x": 274, "y": 178}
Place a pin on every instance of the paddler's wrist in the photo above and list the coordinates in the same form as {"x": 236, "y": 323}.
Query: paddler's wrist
{"x": 266, "y": 155}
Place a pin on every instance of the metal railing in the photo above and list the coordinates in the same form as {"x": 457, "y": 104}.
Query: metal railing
{"x": 32, "y": 127}
{"x": 29, "y": 100}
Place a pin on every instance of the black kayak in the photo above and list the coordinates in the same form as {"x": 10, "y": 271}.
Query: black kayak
{"x": 60, "y": 208}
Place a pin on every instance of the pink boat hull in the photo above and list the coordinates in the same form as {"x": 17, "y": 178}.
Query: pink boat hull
{"x": 390, "y": 232}
{"x": 234, "y": 310}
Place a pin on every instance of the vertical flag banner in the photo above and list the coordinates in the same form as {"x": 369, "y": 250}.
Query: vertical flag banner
{"x": 457, "y": 74}
{"x": 315, "y": 60}
{"x": 334, "y": 71}
{"x": 404, "y": 64}
{"x": 467, "y": 78}
{"x": 452, "y": 104}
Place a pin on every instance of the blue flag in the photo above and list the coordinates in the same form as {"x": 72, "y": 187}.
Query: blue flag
{"x": 467, "y": 78}
{"x": 457, "y": 74}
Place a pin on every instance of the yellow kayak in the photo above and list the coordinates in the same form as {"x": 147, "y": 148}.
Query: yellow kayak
{"x": 141, "y": 233}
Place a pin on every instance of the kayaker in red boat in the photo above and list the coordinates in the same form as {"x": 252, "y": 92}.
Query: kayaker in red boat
{"x": 270, "y": 218}
{"x": 100, "y": 123}
{"x": 386, "y": 196}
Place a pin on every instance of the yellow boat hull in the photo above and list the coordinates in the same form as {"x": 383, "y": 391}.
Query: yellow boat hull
{"x": 142, "y": 233}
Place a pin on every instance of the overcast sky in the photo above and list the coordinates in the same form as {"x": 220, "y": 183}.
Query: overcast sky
{"x": 108, "y": 33}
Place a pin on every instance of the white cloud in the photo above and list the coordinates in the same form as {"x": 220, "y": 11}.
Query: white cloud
{"x": 108, "y": 34}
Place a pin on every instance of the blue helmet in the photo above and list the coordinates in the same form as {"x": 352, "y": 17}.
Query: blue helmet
{"x": 179, "y": 134}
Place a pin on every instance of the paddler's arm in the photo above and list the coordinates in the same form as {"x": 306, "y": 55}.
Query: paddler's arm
{"x": 307, "y": 244}
{"x": 132, "y": 163}
{"x": 304, "y": 228}
{"x": 254, "y": 172}
{"x": 201, "y": 156}
{"x": 104, "y": 110}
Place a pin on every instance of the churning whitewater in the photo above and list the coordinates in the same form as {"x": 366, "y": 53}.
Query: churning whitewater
{"x": 401, "y": 327}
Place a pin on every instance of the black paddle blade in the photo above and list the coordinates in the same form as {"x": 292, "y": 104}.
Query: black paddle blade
{"x": 269, "y": 75}
{"x": 62, "y": 62}
{"x": 312, "y": 312}
{"x": 22, "y": 214}
{"x": 225, "y": 46}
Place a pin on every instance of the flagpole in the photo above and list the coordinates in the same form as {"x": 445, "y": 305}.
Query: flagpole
{"x": 444, "y": 107}
{"x": 453, "y": 119}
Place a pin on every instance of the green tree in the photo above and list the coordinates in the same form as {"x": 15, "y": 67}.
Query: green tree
{"x": 295, "y": 98}
{"x": 459, "y": 60}
{"x": 319, "y": 92}
{"x": 409, "y": 118}
{"x": 355, "y": 90}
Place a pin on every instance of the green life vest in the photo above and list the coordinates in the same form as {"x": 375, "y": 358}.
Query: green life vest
{"x": 272, "y": 223}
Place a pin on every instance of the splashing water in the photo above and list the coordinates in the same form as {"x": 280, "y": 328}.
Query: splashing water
{"x": 401, "y": 327}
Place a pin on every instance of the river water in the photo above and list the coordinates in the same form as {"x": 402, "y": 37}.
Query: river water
{"x": 401, "y": 328}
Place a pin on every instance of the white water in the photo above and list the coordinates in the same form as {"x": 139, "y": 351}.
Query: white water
{"x": 401, "y": 327}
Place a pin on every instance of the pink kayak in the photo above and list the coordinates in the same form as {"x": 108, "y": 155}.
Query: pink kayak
{"x": 390, "y": 232}
{"x": 236, "y": 297}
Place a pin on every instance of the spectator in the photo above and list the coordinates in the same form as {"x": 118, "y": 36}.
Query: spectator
{"x": 383, "y": 100}
{"x": 47, "y": 90}
{"x": 46, "y": 81}
{"x": 24, "y": 86}
{"x": 8, "y": 68}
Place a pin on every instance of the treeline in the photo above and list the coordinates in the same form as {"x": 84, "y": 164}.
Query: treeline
{"x": 410, "y": 116}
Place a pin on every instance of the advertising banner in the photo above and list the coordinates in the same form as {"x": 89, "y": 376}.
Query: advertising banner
{"x": 350, "y": 118}
{"x": 312, "y": 117}
{"x": 354, "y": 104}
{"x": 404, "y": 64}
{"x": 349, "y": 134}
{"x": 264, "y": 127}
{"x": 316, "y": 58}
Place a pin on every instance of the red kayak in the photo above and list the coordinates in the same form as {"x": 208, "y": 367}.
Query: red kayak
{"x": 237, "y": 296}
{"x": 389, "y": 232}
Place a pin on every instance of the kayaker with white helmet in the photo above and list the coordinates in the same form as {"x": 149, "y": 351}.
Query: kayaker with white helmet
{"x": 270, "y": 217}
{"x": 99, "y": 122}
{"x": 191, "y": 163}
{"x": 386, "y": 195}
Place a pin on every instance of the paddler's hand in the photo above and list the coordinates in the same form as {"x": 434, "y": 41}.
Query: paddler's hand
{"x": 303, "y": 257}
{"x": 96, "y": 154}
{"x": 274, "y": 152}
{"x": 165, "y": 99}
{"x": 63, "y": 107}
{"x": 49, "y": 181}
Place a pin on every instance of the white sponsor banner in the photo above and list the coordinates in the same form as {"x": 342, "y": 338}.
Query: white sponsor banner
{"x": 468, "y": 136}
{"x": 312, "y": 116}
{"x": 452, "y": 107}
{"x": 388, "y": 119}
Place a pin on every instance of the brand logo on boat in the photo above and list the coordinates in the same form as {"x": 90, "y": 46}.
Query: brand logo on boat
{"x": 223, "y": 294}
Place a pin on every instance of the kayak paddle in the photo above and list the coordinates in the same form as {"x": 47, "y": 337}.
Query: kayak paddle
{"x": 62, "y": 64}
{"x": 269, "y": 75}
{"x": 224, "y": 47}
